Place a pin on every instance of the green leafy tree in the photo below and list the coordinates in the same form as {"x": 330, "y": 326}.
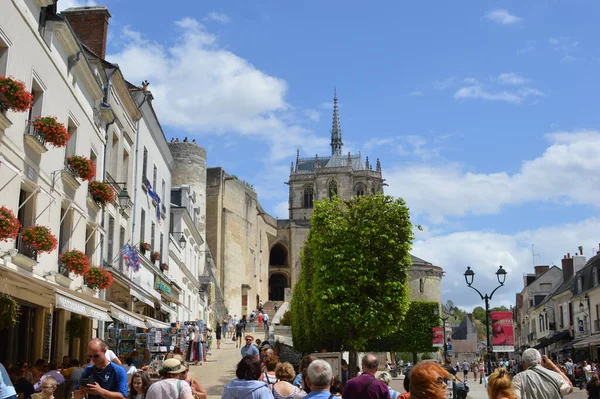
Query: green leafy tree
{"x": 353, "y": 279}
{"x": 479, "y": 314}
{"x": 415, "y": 334}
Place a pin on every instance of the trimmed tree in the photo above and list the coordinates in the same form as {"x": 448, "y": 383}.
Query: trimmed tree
{"x": 353, "y": 281}
{"x": 415, "y": 334}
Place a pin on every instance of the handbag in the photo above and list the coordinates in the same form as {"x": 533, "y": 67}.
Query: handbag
{"x": 233, "y": 338}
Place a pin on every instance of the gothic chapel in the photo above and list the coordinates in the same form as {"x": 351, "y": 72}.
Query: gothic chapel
{"x": 314, "y": 178}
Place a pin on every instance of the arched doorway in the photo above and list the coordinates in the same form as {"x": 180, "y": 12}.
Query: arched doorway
{"x": 278, "y": 282}
{"x": 278, "y": 255}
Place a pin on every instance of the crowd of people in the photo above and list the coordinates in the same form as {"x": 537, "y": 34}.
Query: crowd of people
{"x": 234, "y": 327}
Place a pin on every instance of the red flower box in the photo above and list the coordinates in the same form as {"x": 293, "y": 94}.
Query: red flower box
{"x": 15, "y": 95}
{"x": 9, "y": 224}
{"x": 98, "y": 278}
{"x": 101, "y": 192}
{"x": 51, "y": 130}
{"x": 76, "y": 261}
{"x": 39, "y": 239}
{"x": 156, "y": 256}
{"x": 85, "y": 168}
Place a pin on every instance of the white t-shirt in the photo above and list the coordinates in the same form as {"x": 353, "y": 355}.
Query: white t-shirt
{"x": 110, "y": 355}
{"x": 167, "y": 389}
{"x": 543, "y": 386}
{"x": 129, "y": 369}
{"x": 265, "y": 317}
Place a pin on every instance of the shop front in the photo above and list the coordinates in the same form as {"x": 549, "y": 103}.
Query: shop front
{"x": 29, "y": 338}
{"x": 128, "y": 335}
{"x": 169, "y": 299}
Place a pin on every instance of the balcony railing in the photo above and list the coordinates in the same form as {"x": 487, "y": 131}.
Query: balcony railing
{"x": 62, "y": 269}
{"x": 30, "y": 131}
{"x": 25, "y": 249}
{"x": 3, "y": 106}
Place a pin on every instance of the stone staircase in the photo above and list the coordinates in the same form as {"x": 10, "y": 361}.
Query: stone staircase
{"x": 269, "y": 308}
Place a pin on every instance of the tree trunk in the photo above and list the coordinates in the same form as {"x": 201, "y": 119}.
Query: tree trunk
{"x": 352, "y": 363}
{"x": 415, "y": 358}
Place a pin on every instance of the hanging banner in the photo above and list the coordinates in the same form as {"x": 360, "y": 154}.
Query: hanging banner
{"x": 503, "y": 336}
{"x": 438, "y": 337}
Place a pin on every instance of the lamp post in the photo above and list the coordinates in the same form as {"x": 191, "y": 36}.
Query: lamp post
{"x": 501, "y": 276}
{"x": 448, "y": 314}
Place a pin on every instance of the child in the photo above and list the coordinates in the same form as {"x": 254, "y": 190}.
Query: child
{"x": 139, "y": 385}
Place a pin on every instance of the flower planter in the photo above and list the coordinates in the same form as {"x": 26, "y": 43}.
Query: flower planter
{"x": 14, "y": 95}
{"x": 9, "y": 224}
{"x": 5, "y": 123}
{"x": 51, "y": 131}
{"x": 24, "y": 261}
{"x": 101, "y": 192}
{"x": 98, "y": 278}
{"x": 61, "y": 280}
{"x": 68, "y": 177}
{"x": 92, "y": 205}
{"x": 75, "y": 261}
{"x": 81, "y": 167}
{"x": 34, "y": 141}
{"x": 39, "y": 239}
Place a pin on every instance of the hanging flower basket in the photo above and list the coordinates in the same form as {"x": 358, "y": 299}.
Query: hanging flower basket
{"x": 98, "y": 278}
{"x": 164, "y": 267}
{"x": 156, "y": 256}
{"x": 39, "y": 239}
{"x": 14, "y": 95}
{"x": 101, "y": 192}
{"x": 85, "y": 168}
{"x": 76, "y": 261}
{"x": 51, "y": 130}
{"x": 9, "y": 224}
{"x": 144, "y": 246}
{"x": 10, "y": 311}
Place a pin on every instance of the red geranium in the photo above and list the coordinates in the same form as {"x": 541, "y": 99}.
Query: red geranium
{"x": 15, "y": 94}
{"x": 85, "y": 168}
{"x": 51, "y": 130}
{"x": 101, "y": 192}
{"x": 156, "y": 255}
{"x": 9, "y": 224}
{"x": 76, "y": 261}
{"x": 98, "y": 278}
{"x": 40, "y": 239}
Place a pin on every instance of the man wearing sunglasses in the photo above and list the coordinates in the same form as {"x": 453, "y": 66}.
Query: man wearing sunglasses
{"x": 249, "y": 349}
{"x": 102, "y": 379}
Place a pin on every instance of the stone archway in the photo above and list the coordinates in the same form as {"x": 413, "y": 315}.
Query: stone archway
{"x": 278, "y": 282}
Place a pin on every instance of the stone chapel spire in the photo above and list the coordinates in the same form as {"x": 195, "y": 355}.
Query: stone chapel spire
{"x": 336, "y": 130}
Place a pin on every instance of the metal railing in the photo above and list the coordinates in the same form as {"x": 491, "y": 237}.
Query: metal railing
{"x": 26, "y": 249}
{"x": 31, "y": 131}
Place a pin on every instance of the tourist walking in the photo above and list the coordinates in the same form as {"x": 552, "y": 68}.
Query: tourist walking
{"x": 111, "y": 380}
{"x": 230, "y": 327}
{"x": 247, "y": 385}
{"x": 540, "y": 378}
{"x": 500, "y": 385}
{"x": 387, "y": 378}
{"x": 252, "y": 321}
{"x": 466, "y": 366}
{"x": 283, "y": 388}
{"x": 139, "y": 385}
{"x": 170, "y": 386}
{"x": 593, "y": 387}
{"x": 198, "y": 390}
{"x": 7, "y": 390}
{"x": 266, "y": 321}
{"x": 318, "y": 378}
{"x": 428, "y": 381}
{"x": 218, "y": 332}
{"x": 250, "y": 349}
{"x": 268, "y": 375}
{"x": 373, "y": 388}
{"x": 260, "y": 318}
{"x": 570, "y": 369}
{"x": 239, "y": 329}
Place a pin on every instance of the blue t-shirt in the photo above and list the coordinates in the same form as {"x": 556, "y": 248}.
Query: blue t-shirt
{"x": 249, "y": 351}
{"x": 112, "y": 378}
{"x": 6, "y": 387}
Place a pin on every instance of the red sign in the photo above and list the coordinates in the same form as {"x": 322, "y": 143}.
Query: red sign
{"x": 503, "y": 335}
{"x": 438, "y": 337}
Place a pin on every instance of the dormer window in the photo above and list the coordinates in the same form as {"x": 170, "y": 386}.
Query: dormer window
{"x": 580, "y": 284}
{"x": 595, "y": 277}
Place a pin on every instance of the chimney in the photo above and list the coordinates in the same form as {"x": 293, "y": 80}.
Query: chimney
{"x": 90, "y": 24}
{"x": 578, "y": 262}
{"x": 539, "y": 270}
{"x": 567, "y": 268}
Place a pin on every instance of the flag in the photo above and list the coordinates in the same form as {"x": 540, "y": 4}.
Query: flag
{"x": 131, "y": 257}
{"x": 156, "y": 199}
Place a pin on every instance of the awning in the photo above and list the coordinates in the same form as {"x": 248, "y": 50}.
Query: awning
{"x": 167, "y": 309}
{"x": 80, "y": 306}
{"x": 156, "y": 324}
{"x": 126, "y": 316}
{"x": 29, "y": 289}
{"x": 141, "y": 297}
{"x": 544, "y": 342}
{"x": 589, "y": 341}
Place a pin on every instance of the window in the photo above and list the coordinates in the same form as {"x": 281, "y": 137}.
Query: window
{"x": 125, "y": 169}
{"x": 421, "y": 285}
{"x": 114, "y": 157}
{"x": 121, "y": 245}
{"x": 25, "y": 214}
{"x": 145, "y": 165}
{"x": 541, "y": 323}
{"x": 162, "y": 238}
{"x": 64, "y": 233}
{"x": 360, "y": 189}
{"x": 38, "y": 97}
{"x": 72, "y": 145}
{"x": 562, "y": 317}
{"x": 308, "y": 196}
{"x": 110, "y": 254}
{"x": 93, "y": 158}
{"x": 163, "y": 191}
{"x": 3, "y": 58}
{"x": 580, "y": 284}
{"x": 333, "y": 188}
{"x": 90, "y": 244}
{"x": 154, "y": 178}
{"x": 152, "y": 234}
{"x": 595, "y": 277}
{"x": 143, "y": 226}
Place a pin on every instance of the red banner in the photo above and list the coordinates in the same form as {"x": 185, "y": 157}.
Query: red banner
{"x": 438, "y": 337}
{"x": 503, "y": 335}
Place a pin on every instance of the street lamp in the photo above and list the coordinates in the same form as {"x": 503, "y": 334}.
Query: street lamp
{"x": 501, "y": 276}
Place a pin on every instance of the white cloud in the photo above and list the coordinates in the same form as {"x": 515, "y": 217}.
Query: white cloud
{"x": 502, "y": 17}
{"x": 564, "y": 45}
{"x": 312, "y": 114}
{"x": 478, "y": 92}
{"x": 565, "y": 173}
{"x": 64, "y": 4}
{"x": 511, "y": 78}
{"x": 529, "y": 47}
{"x": 445, "y": 84}
{"x": 282, "y": 210}
{"x": 203, "y": 88}
{"x": 485, "y": 251}
{"x": 415, "y": 93}
{"x": 378, "y": 142}
{"x": 218, "y": 17}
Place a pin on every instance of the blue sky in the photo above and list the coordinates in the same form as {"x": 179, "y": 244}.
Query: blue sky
{"x": 484, "y": 113}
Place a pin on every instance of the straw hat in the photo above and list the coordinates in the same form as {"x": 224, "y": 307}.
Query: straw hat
{"x": 172, "y": 366}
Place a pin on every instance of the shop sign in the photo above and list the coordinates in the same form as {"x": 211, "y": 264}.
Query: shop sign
{"x": 438, "y": 337}
{"x": 74, "y": 306}
{"x": 162, "y": 287}
{"x": 503, "y": 336}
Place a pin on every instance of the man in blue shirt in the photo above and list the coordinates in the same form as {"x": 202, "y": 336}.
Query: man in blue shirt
{"x": 319, "y": 377}
{"x": 249, "y": 349}
{"x": 109, "y": 379}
